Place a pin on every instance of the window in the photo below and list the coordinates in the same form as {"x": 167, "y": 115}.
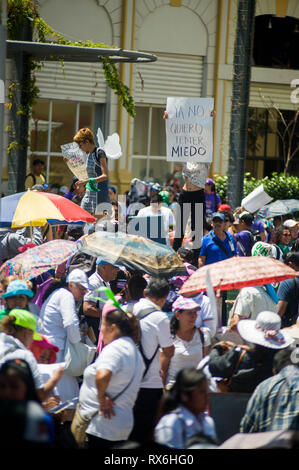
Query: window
{"x": 53, "y": 124}
{"x": 276, "y": 42}
{"x": 149, "y": 146}
{"x": 265, "y": 149}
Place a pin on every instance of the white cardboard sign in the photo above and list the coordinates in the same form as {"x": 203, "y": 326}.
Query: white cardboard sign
{"x": 189, "y": 129}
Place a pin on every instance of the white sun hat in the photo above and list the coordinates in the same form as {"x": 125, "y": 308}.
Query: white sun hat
{"x": 265, "y": 331}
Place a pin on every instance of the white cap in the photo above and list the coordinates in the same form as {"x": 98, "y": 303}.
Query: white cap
{"x": 290, "y": 223}
{"x": 78, "y": 276}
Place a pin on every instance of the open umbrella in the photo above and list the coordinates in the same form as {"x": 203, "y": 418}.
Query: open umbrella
{"x": 238, "y": 272}
{"x": 133, "y": 252}
{"x": 38, "y": 260}
{"x": 280, "y": 207}
{"x": 34, "y": 208}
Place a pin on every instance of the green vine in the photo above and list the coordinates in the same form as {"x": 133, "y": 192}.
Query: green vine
{"x": 20, "y": 14}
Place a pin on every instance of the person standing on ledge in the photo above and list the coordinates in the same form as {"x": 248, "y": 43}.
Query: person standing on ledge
{"x": 195, "y": 175}
{"x": 97, "y": 169}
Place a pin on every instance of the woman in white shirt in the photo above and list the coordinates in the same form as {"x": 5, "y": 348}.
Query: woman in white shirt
{"x": 183, "y": 411}
{"x": 110, "y": 385}
{"x": 191, "y": 343}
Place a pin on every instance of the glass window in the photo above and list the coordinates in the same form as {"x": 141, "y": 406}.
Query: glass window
{"x": 267, "y": 138}
{"x": 276, "y": 42}
{"x": 139, "y": 168}
{"x": 150, "y": 141}
{"x": 141, "y": 124}
{"x": 158, "y": 134}
{"x": 63, "y": 118}
{"x": 85, "y": 116}
{"x": 160, "y": 170}
{"x": 39, "y": 125}
{"x": 63, "y": 124}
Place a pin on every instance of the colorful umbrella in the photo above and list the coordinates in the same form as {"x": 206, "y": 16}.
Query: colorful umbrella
{"x": 238, "y": 272}
{"x": 38, "y": 260}
{"x": 34, "y": 208}
{"x": 280, "y": 207}
{"x": 133, "y": 252}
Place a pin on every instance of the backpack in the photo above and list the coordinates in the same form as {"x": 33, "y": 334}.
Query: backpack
{"x": 254, "y": 237}
{"x": 33, "y": 177}
{"x": 147, "y": 362}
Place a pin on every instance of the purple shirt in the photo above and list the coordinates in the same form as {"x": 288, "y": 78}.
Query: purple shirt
{"x": 210, "y": 202}
{"x": 244, "y": 243}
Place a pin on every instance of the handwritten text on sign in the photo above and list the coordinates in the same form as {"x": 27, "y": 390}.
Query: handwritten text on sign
{"x": 189, "y": 131}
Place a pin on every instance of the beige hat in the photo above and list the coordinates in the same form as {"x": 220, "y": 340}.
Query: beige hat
{"x": 290, "y": 223}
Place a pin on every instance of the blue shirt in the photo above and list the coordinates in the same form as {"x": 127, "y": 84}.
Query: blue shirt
{"x": 213, "y": 252}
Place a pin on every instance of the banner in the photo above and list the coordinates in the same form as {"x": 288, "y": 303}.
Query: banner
{"x": 189, "y": 130}
{"x": 76, "y": 160}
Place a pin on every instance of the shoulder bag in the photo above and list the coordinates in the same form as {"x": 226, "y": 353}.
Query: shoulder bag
{"x": 78, "y": 356}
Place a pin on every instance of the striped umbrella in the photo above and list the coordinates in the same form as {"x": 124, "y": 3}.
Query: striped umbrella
{"x": 34, "y": 208}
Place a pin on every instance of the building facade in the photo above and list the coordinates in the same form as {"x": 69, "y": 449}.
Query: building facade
{"x": 194, "y": 44}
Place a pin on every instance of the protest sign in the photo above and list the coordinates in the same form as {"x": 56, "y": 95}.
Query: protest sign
{"x": 76, "y": 160}
{"x": 189, "y": 130}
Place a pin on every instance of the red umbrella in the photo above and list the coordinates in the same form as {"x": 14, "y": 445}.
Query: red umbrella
{"x": 238, "y": 272}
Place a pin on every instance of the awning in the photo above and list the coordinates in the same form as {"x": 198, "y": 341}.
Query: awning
{"x": 54, "y": 52}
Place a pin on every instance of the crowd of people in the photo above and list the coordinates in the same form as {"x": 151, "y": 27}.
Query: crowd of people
{"x": 155, "y": 355}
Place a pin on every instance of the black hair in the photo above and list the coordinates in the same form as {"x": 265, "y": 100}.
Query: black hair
{"x": 136, "y": 286}
{"x": 186, "y": 254}
{"x": 38, "y": 161}
{"x": 291, "y": 257}
{"x": 174, "y": 325}
{"x": 228, "y": 215}
{"x": 73, "y": 182}
{"x": 127, "y": 323}
{"x": 157, "y": 288}
{"x": 23, "y": 371}
{"x": 277, "y": 234}
{"x": 56, "y": 284}
{"x": 295, "y": 247}
{"x": 156, "y": 198}
{"x": 187, "y": 379}
{"x": 247, "y": 218}
{"x": 282, "y": 359}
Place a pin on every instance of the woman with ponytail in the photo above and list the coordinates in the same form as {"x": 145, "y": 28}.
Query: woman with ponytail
{"x": 183, "y": 412}
{"x": 111, "y": 383}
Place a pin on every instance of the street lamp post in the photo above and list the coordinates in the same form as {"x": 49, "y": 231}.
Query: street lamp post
{"x": 240, "y": 100}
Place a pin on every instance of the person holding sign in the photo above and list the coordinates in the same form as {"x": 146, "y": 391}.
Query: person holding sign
{"x": 97, "y": 169}
{"x": 192, "y": 197}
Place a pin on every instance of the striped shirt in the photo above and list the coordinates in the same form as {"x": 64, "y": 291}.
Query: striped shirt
{"x": 274, "y": 404}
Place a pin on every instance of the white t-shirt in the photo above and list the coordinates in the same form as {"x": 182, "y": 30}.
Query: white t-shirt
{"x": 155, "y": 330}
{"x": 251, "y": 301}
{"x": 59, "y": 320}
{"x": 187, "y": 353}
{"x": 176, "y": 427}
{"x": 122, "y": 358}
{"x": 96, "y": 281}
{"x": 67, "y": 387}
{"x": 167, "y": 217}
